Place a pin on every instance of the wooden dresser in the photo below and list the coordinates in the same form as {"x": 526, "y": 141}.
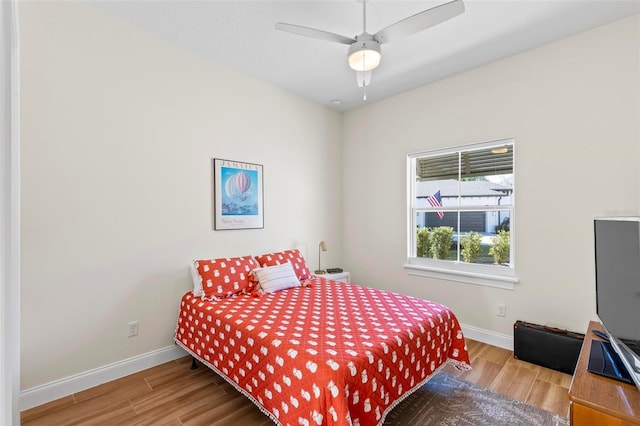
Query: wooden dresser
{"x": 597, "y": 400}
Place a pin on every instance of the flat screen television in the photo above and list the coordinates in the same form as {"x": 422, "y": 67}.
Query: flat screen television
{"x": 617, "y": 258}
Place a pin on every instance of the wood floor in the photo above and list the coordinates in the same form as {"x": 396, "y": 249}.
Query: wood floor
{"x": 173, "y": 394}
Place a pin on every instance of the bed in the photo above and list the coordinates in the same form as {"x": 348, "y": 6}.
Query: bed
{"x": 321, "y": 352}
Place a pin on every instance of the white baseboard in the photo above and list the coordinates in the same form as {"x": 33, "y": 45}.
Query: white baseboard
{"x": 500, "y": 340}
{"x": 48, "y": 392}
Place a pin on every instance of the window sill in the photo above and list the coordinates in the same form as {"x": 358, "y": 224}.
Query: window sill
{"x": 504, "y": 281}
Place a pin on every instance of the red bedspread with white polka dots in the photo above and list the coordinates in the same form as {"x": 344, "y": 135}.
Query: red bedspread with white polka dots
{"x": 330, "y": 353}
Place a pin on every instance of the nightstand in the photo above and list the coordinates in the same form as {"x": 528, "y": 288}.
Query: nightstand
{"x": 338, "y": 276}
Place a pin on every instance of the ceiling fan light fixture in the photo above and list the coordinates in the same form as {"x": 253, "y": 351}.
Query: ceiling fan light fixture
{"x": 364, "y": 56}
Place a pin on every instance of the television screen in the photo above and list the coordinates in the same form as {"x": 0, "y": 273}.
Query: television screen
{"x": 617, "y": 255}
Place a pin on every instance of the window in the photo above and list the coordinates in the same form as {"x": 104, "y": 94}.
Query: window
{"x": 461, "y": 205}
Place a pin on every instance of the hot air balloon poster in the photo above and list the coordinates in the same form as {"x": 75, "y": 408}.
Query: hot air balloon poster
{"x": 237, "y": 195}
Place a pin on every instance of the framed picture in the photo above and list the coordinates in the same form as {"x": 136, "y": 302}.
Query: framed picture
{"x": 238, "y": 198}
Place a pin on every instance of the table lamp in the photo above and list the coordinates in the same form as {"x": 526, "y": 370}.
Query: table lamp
{"x": 321, "y": 247}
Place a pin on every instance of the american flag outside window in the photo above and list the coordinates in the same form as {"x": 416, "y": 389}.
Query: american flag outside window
{"x": 436, "y": 201}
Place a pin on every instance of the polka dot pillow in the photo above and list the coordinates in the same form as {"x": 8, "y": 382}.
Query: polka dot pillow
{"x": 225, "y": 277}
{"x": 292, "y": 256}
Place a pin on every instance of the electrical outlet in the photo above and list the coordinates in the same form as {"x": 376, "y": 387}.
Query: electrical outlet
{"x": 502, "y": 310}
{"x": 133, "y": 328}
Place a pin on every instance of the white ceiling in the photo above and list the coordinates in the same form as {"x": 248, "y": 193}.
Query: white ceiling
{"x": 240, "y": 34}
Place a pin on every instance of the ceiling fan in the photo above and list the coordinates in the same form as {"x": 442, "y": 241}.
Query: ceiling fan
{"x": 364, "y": 50}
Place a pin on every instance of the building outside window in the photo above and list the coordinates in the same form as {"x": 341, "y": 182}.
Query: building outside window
{"x": 461, "y": 204}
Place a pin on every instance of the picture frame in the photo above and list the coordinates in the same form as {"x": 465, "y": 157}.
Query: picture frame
{"x": 238, "y": 195}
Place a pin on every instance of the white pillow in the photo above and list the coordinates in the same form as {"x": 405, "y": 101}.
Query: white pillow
{"x": 277, "y": 277}
{"x": 197, "y": 280}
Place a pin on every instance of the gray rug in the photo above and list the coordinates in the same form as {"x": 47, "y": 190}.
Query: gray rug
{"x": 448, "y": 401}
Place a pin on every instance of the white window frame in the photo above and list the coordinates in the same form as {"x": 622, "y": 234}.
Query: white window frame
{"x": 499, "y": 276}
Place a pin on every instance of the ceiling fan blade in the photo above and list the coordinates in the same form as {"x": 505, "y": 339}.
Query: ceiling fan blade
{"x": 313, "y": 33}
{"x": 420, "y": 21}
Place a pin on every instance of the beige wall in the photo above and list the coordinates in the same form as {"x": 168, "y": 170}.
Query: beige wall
{"x": 573, "y": 108}
{"x": 118, "y": 132}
